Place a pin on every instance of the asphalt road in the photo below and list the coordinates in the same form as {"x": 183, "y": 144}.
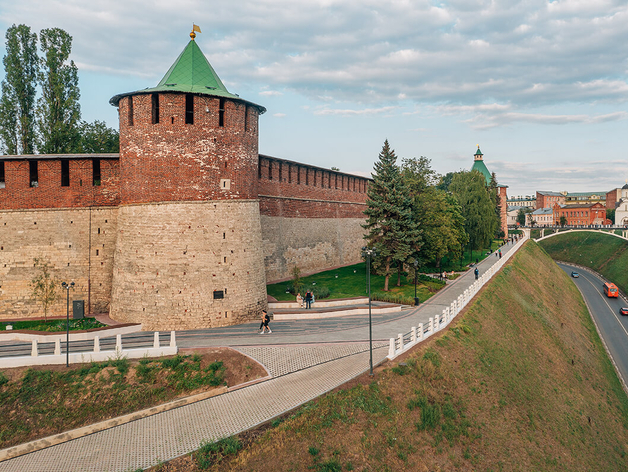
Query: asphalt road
{"x": 613, "y": 327}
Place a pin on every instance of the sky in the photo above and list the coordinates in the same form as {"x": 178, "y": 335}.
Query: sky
{"x": 541, "y": 86}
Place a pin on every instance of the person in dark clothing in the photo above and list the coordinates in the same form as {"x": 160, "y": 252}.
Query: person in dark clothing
{"x": 308, "y": 300}
{"x": 477, "y": 272}
{"x": 264, "y": 324}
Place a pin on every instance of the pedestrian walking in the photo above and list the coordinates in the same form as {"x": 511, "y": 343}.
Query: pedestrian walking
{"x": 264, "y": 324}
{"x": 477, "y": 272}
{"x": 308, "y": 300}
{"x": 500, "y": 253}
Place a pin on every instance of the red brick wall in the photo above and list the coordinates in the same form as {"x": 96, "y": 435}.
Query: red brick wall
{"x": 611, "y": 199}
{"x": 175, "y": 161}
{"x": 18, "y": 194}
{"x": 581, "y": 215}
{"x": 295, "y": 190}
{"x": 547, "y": 201}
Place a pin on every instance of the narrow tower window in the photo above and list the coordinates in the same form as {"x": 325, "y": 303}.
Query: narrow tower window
{"x": 2, "y": 183}
{"x": 130, "y": 111}
{"x": 221, "y": 112}
{"x": 96, "y": 171}
{"x": 65, "y": 173}
{"x": 189, "y": 109}
{"x": 33, "y": 174}
{"x": 155, "y": 108}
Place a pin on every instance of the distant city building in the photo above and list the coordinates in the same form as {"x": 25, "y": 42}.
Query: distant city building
{"x": 512, "y": 213}
{"x": 621, "y": 208}
{"x": 549, "y": 199}
{"x": 540, "y": 217}
{"x": 577, "y": 215}
{"x": 585, "y": 198}
{"x": 522, "y": 201}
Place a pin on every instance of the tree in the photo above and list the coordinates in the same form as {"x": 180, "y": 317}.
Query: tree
{"x": 493, "y": 187}
{"x": 610, "y": 214}
{"x": 563, "y": 220}
{"x": 59, "y": 111}
{"x": 44, "y": 285}
{"x": 96, "y": 137}
{"x": 521, "y": 215}
{"x": 17, "y": 104}
{"x": 391, "y": 230}
{"x": 445, "y": 181}
{"x": 478, "y": 209}
{"x": 437, "y": 214}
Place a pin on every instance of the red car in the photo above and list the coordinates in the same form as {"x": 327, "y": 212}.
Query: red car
{"x": 623, "y": 311}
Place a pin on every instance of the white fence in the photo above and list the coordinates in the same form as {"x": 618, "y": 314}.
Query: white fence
{"x": 402, "y": 343}
{"x": 95, "y": 355}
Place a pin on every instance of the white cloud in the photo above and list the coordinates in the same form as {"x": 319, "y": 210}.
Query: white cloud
{"x": 348, "y": 112}
{"x": 279, "y": 115}
{"x": 270, "y": 93}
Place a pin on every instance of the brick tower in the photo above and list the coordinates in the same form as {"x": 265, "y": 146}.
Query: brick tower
{"x": 478, "y": 165}
{"x": 189, "y": 244}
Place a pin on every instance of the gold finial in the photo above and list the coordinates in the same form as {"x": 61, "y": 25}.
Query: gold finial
{"x": 194, "y": 28}
{"x": 478, "y": 146}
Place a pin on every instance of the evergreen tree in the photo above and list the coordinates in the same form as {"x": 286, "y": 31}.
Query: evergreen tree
{"x": 391, "y": 230}
{"x": 59, "y": 110}
{"x": 17, "y": 104}
{"x": 478, "y": 209}
{"x": 493, "y": 188}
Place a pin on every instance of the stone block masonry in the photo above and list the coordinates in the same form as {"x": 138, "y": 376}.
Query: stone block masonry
{"x": 188, "y": 264}
{"x": 79, "y": 245}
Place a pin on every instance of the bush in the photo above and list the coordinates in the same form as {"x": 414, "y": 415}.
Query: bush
{"x": 392, "y": 298}
{"x": 3, "y": 379}
{"x": 319, "y": 291}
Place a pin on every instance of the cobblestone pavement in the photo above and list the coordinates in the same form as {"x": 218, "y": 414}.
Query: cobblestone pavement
{"x": 302, "y": 367}
{"x": 145, "y": 442}
{"x": 282, "y": 360}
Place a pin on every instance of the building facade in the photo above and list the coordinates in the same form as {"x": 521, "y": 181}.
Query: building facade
{"x": 581, "y": 215}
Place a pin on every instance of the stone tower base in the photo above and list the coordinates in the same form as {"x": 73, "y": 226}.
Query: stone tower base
{"x": 188, "y": 265}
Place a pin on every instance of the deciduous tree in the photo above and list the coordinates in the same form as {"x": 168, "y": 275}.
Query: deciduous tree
{"x": 19, "y": 88}
{"x": 44, "y": 285}
{"x": 97, "y": 137}
{"x": 59, "y": 111}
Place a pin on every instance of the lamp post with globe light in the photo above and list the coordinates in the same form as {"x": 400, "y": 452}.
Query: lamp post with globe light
{"x": 67, "y": 288}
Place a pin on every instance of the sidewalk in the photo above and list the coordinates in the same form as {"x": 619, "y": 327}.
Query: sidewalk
{"x": 305, "y": 358}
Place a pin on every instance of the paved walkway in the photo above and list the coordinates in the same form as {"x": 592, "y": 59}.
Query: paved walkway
{"x": 306, "y": 359}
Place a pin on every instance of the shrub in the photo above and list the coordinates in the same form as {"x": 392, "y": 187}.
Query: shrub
{"x": 392, "y": 298}
{"x": 3, "y": 379}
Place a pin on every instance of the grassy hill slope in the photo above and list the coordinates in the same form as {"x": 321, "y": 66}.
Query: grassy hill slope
{"x": 516, "y": 383}
{"x": 605, "y": 254}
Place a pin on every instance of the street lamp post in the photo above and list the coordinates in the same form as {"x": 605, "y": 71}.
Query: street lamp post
{"x": 416, "y": 268}
{"x": 67, "y": 288}
{"x": 369, "y": 253}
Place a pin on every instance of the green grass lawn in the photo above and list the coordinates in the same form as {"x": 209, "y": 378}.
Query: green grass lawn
{"x": 468, "y": 257}
{"x": 53, "y": 325}
{"x": 350, "y": 281}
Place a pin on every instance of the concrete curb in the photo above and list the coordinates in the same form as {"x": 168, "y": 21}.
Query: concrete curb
{"x": 43, "y": 443}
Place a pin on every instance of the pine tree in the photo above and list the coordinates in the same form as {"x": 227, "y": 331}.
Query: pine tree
{"x": 17, "y": 104}
{"x": 59, "y": 110}
{"x": 391, "y": 230}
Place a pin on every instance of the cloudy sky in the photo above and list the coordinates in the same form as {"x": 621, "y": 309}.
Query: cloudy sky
{"x": 540, "y": 85}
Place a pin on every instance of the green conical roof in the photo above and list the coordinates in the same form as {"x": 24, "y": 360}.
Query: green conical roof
{"x": 478, "y": 152}
{"x": 481, "y": 168}
{"x": 190, "y": 73}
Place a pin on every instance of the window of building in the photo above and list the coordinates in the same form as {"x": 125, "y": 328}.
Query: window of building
{"x": 219, "y": 294}
{"x": 155, "y": 108}
{"x": 130, "y": 117}
{"x": 221, "y": 112}
{"x": 65, "y": 172}
{"x": 189, "y": 109}
{"x": 2, "y": 183}
{"x": 33, "y": 174}
{"x": 95, "y": 172}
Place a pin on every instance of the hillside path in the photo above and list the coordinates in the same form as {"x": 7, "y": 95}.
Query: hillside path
{"x": 305, "y": 360}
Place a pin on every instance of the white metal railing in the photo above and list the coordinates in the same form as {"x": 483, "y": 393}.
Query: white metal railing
{"x": 399, "y": 344}
{"x": 95, "y": 355}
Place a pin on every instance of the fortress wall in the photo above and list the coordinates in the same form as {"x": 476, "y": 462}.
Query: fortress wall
{"x": 172, "y": 257}
{"x": 63, "y": 238}
{"x": 81, "y": 192}
{"x": 310, "y": 217}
